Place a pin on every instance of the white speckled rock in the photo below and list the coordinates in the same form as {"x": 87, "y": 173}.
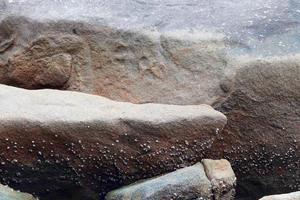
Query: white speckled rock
{"x": 106, "y": 143}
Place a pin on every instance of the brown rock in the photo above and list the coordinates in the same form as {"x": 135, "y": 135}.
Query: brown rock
{"x": 122, "y": 65}
{"x": 52, "y": 140}
{"x": 222, "y": 178}
{"x": 260, "y": 96}
{"x": 262, "y": 137}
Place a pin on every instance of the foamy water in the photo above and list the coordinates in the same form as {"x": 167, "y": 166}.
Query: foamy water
{"x": 259, "y": 27}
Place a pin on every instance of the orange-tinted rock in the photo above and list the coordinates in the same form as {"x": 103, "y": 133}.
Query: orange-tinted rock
{"x": 222, "y": 178}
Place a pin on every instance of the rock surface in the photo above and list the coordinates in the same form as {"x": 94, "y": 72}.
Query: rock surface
{"x": 222, "y": 178}
{"x": 7, "y": 193}
{"x": 187, "y": 183}
{"x": 259, "y": 95}
{"x": 262, "y": 136}
{"x": 138, "y": 66}
{"x": 291, "y": 196}
{"x": 60, "y": 140}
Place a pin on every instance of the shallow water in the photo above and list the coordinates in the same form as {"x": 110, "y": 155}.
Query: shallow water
{"x": 257, "y": 27}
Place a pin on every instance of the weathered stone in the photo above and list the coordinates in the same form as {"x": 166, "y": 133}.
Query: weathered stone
{"x": 7, "y": 193}
{"x": 187, "y": 183}
{"x": 98, "y": 60}
{"x": 262, "y": 136}
{"x": 261, "y": 140}
{"x": 291, "y": 196}
{"x": 222, "y": 178}
{"x": 62, "y": 138}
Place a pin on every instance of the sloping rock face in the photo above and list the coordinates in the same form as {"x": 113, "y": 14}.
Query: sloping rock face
{"x": 262, "y": 137}
{"x": 187, "y": 183}
{"x": 96, "y": 59}
{"x": 55, "y": 142}
{"x": 290, "y": 196}
{"x": 208, "y": 180}
{"x": 7, "y": 193}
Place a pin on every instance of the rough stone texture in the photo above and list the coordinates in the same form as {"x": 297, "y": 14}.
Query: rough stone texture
{"x": 260, "y": 96}
{"x": 187, "y": 183}
{"x": 135, "y": 66}
{"x": 7, "y": 193}
{"x": 34, "y": 60}
{"x": 262, "y": 137}
{"x": 222, "y": 178}
{"x": 290, "y": 196}
{"x": 60, "y": 140}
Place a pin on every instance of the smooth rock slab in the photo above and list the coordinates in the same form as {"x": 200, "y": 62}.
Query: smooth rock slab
{"x": 51, "y": 140}
{"x": 7, "y": 193}
{"x": 290, "y": 196}
{"x": 187, "y": 183}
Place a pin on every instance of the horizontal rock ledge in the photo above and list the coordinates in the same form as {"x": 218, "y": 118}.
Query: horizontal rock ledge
{"x": 95, "y": 142}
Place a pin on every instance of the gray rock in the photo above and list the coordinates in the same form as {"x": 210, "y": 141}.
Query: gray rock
{"x": 7, "y": 193}
{"x": 187, "y": 183}
{"x": 290, "y": 196}
{"x": 222, "y": 178}
{"x": 69, "y": 137}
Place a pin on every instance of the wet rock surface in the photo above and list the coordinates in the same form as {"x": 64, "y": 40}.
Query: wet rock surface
{"x": 187, "y": 183}
{"x": 210, "y": 179}
{"x": 68, "y": 140}
{"x": 7, "y": 193}
{"x": 290, "y": 196}
{"x": 53, "y": 48}
{"x": 262, "y": 136}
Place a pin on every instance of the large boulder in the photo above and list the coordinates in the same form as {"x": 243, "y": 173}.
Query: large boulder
{"x": 56, "y": 141}
{"x": 262, "y": 137}
{"x": 7, "y": 193}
